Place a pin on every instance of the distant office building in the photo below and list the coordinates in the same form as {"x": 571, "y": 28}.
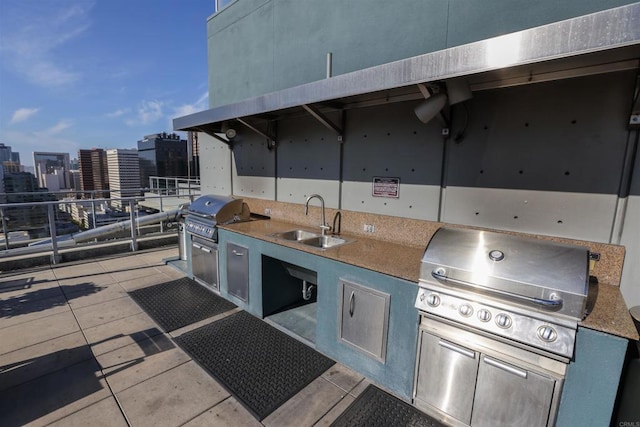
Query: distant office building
{"x": 124, "y": 174}
{"x": 75, "y": 180}
{"x": 162, "y": 154}
{"x": 30, "y": 217}
{"x": 74, "y": 164}
{"x": 94, "y": 171}
{"x": 5, "y": 153}
{"x": 10, "y": 166}
{"x": 56, "y": 164}
{"x": 15, "y": 157}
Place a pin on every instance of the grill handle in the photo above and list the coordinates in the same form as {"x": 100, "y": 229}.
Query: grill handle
{"x": 554, "y": 303}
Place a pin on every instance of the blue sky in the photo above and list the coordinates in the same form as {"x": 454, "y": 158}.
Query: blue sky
{"x": 98, "y": 73}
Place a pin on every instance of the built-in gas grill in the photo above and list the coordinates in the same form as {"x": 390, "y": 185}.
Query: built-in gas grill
{"x": 201, "y": 223}
{"x": 506, "y": 308}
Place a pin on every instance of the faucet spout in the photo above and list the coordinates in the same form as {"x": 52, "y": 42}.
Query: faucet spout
{"x": 323, "y": 226}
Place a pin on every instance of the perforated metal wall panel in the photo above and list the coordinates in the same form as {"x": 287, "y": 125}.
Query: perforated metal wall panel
{"x": 215, "y": 166}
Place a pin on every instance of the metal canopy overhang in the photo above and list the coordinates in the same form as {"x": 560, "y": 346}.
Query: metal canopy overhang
{"x": 600, "y": 42}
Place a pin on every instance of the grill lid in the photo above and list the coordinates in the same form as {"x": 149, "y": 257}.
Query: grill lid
{"x": 219, "y": 209}
{"x": 543, "y": 275}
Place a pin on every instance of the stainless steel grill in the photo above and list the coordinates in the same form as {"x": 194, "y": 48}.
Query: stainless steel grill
{"x": 499, "y": 315}
{"x": 530, "y": 291}
{"x": 206, "y": 212}
{"x": 201, "y": 223}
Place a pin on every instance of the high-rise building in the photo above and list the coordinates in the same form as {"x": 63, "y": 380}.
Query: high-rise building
{"x": 22, "y": 187}
{"x": 94, "y": 172}
{"x": 55, "y": 164}
{"x": 124, "y": 174}
{"x": 162, "y": 154}
{"x": 5, "y": 153}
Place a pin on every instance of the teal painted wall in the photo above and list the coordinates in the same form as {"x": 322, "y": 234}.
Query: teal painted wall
{"x": 260, "y": 46}
{"x": 396, "y": 372}
{"x": 591, "y": 386}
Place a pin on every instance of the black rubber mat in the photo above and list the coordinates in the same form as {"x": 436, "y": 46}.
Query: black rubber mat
{"x": 179, "y": 303}
{"x": 377, "y": 408}
{"x": 260, "y": 365}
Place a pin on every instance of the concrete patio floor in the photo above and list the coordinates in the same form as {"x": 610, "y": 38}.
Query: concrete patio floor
{"x": 75, "y": 349}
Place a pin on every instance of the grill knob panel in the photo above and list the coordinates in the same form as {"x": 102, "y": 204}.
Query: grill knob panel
{"x": 484, "y": 315}
{"x": 465, "y": 310}
{"x": 433, "y": 300}
{"x": 503, "y": 321}
{"x": 547, "y": 333}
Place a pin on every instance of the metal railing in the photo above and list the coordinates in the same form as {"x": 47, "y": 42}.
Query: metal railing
{"x": 49, "y": 227}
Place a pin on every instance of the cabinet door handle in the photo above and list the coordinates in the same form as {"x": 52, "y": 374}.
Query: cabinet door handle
{"x": 195, "y": 245}
{"x": 207, "y": 250}
{"x": 507, "y": 368}
{"x": 237, "y": 253}
{"x": 461, "y": 350}
{"x": 352, "y": 303}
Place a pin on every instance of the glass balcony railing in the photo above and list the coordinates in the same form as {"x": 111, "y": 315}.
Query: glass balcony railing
{"x": 54, "y": 222}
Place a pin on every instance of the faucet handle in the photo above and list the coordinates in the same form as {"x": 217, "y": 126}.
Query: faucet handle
{"x": 325, "y": 227}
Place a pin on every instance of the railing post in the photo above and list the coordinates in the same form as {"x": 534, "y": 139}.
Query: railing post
{"x": 161, "y": 210}
{"x": 134, "y": 241}
{"x": 4, "y": 229}
{"x": 55, "y": 257}
{"x": 93, "y": 211}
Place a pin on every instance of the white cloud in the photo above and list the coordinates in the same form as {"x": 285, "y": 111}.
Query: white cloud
{"x": 147, "y": 112}
{"x": 118, "y": 113}
{"x": 23, "y": 114}
{"x": 201, "y": 104}
{"x": 58, "y": 127}
{"x": 34, "y": 30}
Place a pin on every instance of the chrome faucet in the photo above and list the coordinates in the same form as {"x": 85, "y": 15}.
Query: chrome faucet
{"x": 323, "y": 226}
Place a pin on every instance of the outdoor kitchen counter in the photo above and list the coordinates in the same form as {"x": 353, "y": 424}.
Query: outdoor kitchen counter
{"x": 609, "y": 313}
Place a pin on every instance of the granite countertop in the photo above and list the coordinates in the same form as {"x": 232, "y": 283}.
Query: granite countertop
{"x": 609, "y": 313}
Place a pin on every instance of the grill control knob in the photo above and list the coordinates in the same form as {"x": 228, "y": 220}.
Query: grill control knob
{"x": 422, "y": 296}
{"x": 465, "y": 310}
{"x": 547, "y": 333}
{"x": 433, "y": 300}
{"x": 503, "y": 321}
{"x": 484, "y": 315}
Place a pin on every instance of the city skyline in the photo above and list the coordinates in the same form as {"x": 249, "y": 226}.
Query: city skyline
{"x": 82, "y": 74}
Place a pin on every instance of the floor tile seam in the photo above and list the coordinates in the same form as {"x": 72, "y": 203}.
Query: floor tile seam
{"x": 91, "y": 357}
{"x": 342, "y": 388}
{"x": 110, "y": 321}
{"x": 102, "y": 375}
{"x": 137, "y": 342}
{"x": 106, "y": 377}
{"x": 332, "y": 408}
{"x": 359, "y": 382}
{"x": 64, "y": 277}
{"x": 206, "y": 410}
{"x": 38, "y": 319}
{"x": 99, "y": 302}
{"x": 143, "y": 276}
{"x": 79, "y": 410}
{"x": 177, "y": 333}
{"x": 113, "y": 279}
{"x": 61, "y": 294}
{"x": 19, "y": 272}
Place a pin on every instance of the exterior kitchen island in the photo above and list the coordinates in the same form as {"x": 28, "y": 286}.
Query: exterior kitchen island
{"x": 392, "y": 269}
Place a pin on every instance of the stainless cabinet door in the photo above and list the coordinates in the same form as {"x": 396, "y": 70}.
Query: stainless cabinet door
{"x": 510, "y": 396}
{"x": 238, "y": 271}
{"x": 364, "y": 319}
{"x": 447, "y": 376}
{"x": 204, "y": 263}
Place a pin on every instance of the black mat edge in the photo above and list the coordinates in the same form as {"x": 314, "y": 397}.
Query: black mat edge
{"x": 158, "y": 319}
{"x": 279, "y": 403}
{"x": 371, "y": 390}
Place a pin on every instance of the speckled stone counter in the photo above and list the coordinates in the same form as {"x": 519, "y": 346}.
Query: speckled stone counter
{"x": 609, "y": 313}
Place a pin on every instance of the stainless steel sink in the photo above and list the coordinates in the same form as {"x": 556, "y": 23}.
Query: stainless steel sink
{"x": 324, "y": 242}
{"x": 296, "y": 235}
{"x": 310, "y": 238}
